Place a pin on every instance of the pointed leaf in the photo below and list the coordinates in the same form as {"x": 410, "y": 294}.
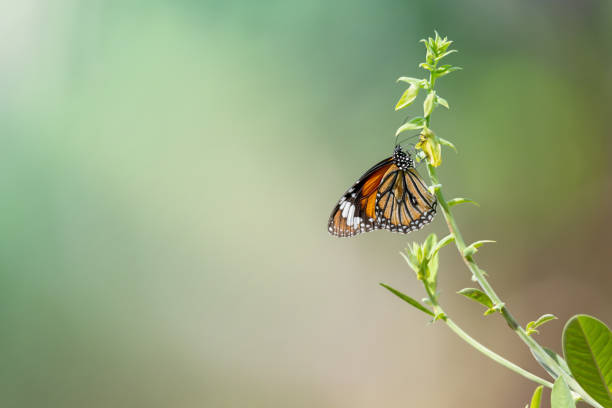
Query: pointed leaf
{"x": 414, "y": 123}
{"x": 447, "y": 143}
{"x": 587, "y": 346}
{"x": 441, "y": 72}
{"x": 472, "y": 248}
{"x": 456, "y": 201}
{"x": 428, "y": 104}
{"x": 407, "y": 97}
{"x": 408, "y": 299}
{"x": 442, "y": 101}
{"x": 478, "y": 296}
{"x": 429, "y": 243}
{"x": 415, "y": 250}
{"x": 439, "y": 57}
{"x": 442, "y": 243}
{"x": 536, "y": 398}
{"x": 432, "y": 272}
{"x": 439, "y": 316}
{"x": 490, "y": 311}
{"x": 532, "y": 326}
{"x": 412, "y": 81}
{"x": 444, "y": 45}
{"x": 561, "y": 397}
{"x": 411, "y": 261}
{"x": 442, "y": 68}
{"x": 426, "y": 66}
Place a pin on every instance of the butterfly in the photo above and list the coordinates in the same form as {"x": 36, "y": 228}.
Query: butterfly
{"x": 391, "y": 195}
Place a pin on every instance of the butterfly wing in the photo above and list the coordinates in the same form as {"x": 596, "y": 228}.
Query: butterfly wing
{"x": 403, "y": 202}
{"x": 356, "y": 211}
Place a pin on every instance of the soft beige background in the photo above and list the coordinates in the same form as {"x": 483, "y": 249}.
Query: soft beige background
{"x": 168, "y": 169}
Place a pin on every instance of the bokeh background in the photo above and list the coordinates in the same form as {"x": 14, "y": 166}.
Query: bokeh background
{"x": 168, "y": 169}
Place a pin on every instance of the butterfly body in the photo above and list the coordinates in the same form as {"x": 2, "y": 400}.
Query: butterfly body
{"x": 391, "y": 195}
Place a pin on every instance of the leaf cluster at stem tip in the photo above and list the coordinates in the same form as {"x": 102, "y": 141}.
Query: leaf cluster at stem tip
{"x": 429, "y": 143}
{"x": 423, "y": 259}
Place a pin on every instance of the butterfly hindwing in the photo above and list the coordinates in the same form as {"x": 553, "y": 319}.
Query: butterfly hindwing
{"x": 404, "y": 203}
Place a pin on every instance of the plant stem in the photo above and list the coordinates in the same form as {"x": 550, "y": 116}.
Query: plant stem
{"x": 494, "y": 356}
{"x": 486, "y": 287}
{"x": 478, "y": 346}
{"x": 432, "y": 82}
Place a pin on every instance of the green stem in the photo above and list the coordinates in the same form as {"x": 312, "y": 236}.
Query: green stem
{"x": 494, "y": 356}
{"x": 486, "y": 287}
{"x": 478, "y": 346}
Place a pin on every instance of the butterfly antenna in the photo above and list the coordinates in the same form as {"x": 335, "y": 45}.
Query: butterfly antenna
{"x": 404, "y": 121}
{"x": 408, "y": 138}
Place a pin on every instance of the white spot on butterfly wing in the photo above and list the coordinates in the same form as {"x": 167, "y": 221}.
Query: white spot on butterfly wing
{"x": 345, "y": 209}
{"x": 351, "y": 213}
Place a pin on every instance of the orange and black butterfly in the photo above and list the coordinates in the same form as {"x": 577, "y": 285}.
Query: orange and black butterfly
{"x": 391, "y": 195}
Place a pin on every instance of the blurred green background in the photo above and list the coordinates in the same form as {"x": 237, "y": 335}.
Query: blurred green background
{"x": 168, "y": 169}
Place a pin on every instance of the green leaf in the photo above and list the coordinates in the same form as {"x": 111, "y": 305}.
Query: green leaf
{"x": 432, "y": 272}
{"x": 441, "y": 72}
{"x": 412, "y": 81}
{"x": 536, "y": 398}
{"x": 442, "y": 101}
{"x": 408, "y": 299}
{"x": 429, "y": 243}
{"x": 587, "y": 346}
{"x": 445, "y": 44}
{"x": 472, "y": 248}
{"x": 447, "y": 143}
{"x": 439, "y": 316}
{"x": 478, "y": 296}
{"x": 456, "y": 201}
{"x": 426, "y": 66}
{"x": 532, "y": 326}
{"x": 443, "y": 68}
{"x": 489, "y": 311}
{"x": 442, "y": 243}
{"x": 412, "y": 261}
{"x": 414, "y": 123}
{"x": 407, "y": 97}
{"x": 428, "y": 104}
{"x": 439, "y": 57}
{"x": 561, "y": 397}
{"x": 432, "y": 278}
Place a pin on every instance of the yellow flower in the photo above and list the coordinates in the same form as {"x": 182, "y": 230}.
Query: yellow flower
{"x": 430, "y": 145}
